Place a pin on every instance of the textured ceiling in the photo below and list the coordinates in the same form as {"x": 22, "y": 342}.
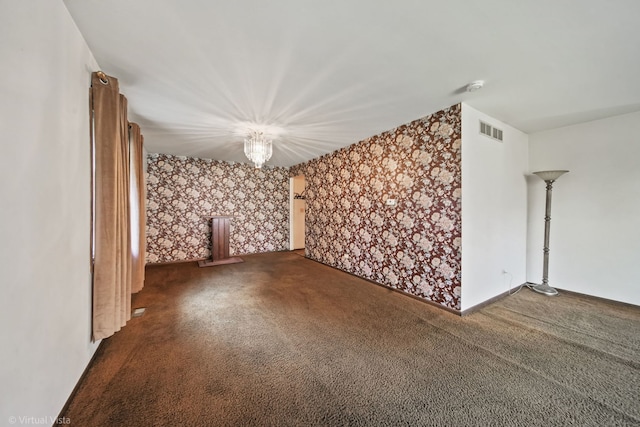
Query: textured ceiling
{"x": 330, "y": 73}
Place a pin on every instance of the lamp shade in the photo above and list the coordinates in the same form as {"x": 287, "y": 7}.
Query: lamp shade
{"x": 550, "y": 175}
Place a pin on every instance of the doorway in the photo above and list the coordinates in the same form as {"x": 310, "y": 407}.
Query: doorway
{"x": 298, "y": 206}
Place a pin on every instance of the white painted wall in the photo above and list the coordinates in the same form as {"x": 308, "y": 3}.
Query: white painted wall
{"x": 494, "y": 209}
{"x": 45, "y": 307}
{"x": 595, "y": 226}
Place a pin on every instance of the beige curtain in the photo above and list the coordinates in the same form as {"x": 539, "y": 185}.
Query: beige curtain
{"x": 112, "y": 241}
{"x": 138, "y": 207}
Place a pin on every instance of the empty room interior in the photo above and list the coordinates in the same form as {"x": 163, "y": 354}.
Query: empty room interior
{"x": 320, "y": 213}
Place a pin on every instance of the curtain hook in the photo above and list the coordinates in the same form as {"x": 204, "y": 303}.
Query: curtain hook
{"x": 103, "y": 78}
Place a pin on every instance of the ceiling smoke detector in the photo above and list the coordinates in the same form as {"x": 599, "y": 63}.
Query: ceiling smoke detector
{"x": 474, "y": 86}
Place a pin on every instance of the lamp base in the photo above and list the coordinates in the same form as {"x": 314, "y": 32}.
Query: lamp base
{"x": 544, "y": 289}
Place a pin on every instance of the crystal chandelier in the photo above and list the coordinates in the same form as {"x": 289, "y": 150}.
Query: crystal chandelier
{"x": 257, "y": 148}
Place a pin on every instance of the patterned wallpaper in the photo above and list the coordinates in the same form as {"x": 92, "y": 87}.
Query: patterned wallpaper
{"x": 415, "y": 246}
{"x": 182, "y": 192}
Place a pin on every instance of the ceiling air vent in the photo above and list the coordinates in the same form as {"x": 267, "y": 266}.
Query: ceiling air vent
{"x": 490, "y": 131}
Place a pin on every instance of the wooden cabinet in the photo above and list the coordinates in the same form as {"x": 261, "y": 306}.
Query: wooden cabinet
{"x": 220, "y": 226}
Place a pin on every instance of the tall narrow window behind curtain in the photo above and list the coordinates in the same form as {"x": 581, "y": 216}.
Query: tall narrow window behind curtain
{"x": 112, "y": 242}
{"x": 138, "y": 207}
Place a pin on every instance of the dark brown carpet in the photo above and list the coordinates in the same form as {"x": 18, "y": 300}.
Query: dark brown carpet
{"x": 281, "y": 340}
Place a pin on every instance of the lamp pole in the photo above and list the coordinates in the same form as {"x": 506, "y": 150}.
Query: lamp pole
{"x": 549, "y": 178}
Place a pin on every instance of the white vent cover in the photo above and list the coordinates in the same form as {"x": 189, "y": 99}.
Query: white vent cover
{"x": 490, "y": 131}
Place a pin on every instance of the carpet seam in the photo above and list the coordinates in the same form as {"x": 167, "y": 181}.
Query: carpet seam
{"x": 534, "y": 371}
{"x": 620, "y": 359}
{"x": 634, "y": 348}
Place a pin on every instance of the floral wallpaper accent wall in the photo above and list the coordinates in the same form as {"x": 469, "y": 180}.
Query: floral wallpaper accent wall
{"x": 182, "y": 192}
{"x": 414, "y": 246}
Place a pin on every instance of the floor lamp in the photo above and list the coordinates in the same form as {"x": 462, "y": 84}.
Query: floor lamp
{"x": 549, "y": 177}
